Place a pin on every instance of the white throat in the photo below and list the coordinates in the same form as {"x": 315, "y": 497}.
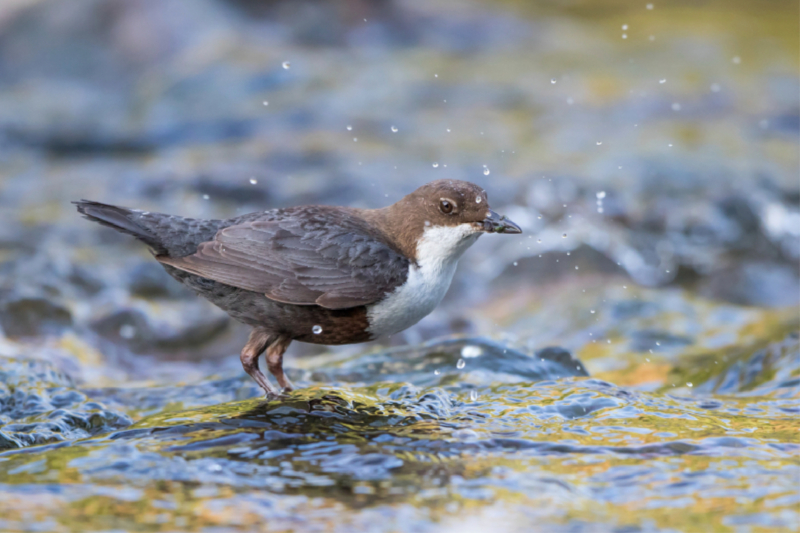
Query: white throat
{"x": 438, "y": 252}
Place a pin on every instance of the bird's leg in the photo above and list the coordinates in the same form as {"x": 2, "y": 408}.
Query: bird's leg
{"x": 256, "y": 344}
{"x": 275, "y": 353}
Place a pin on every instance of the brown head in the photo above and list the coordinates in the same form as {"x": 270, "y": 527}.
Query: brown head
{"x": 453, "y": 213}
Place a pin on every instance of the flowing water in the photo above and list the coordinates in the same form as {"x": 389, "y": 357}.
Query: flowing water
{"x": 630, "y": 363}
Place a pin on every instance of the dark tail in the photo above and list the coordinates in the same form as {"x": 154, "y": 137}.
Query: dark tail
{"x": 125, "y": 220}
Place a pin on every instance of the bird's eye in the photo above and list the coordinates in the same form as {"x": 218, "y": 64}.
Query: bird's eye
{"x": 446, "y": 206}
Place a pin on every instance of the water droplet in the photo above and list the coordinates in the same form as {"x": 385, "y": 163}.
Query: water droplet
{"x": 205, "y": 197}
{"x": 662, "y": 80}
{"x": 676, "y": 106}
{"x": 553, "y": 81}
{"x": 436, "y": 165}
{"x": 592, "y": 311}
{"x": 349, "y": 128}
{"x": 539, "y": 240}
{"x": 473, "y": 395}
{"x": 624, "y": 286}
{"x": 478, "y": 199}
{"x": 624, "y": 26}
{"x": 515, "y": 263}
{"x": 394, "y": 129}
{"x": 461, "y": 364}
{"x": 576, "y": 267}
{"x": 436, "y": 372}
{"x": 469, "y": 351}
{"x": 427, "y": 222}
{"x": 355, "y": 139}
{"x": 670, "y": 145}
{"x": 486, "y": 171}
{"x": 286, "y": 65}
{"x": 317, "y": 330}
{"x": 650, "y": 6}
{"x": 658, "y": 343}
{"x": 253, "y": 181}
{"x": 601, "y": 194}
{"x": 599, "y": 143}
{"x": 564, "y": 236}
{"x": 689, "y": 384}
{"x": 265, "y": 103}
{"x": 127, "y": 331}
{"x": 435, "y": 75}
{"x": 736, "y": 60}
{"x": 624, "y": 35}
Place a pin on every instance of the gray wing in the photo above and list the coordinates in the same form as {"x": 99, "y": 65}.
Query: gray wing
{"x": 335, "y": 261}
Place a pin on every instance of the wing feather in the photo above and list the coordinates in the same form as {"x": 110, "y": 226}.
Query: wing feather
{"x": 336, "y": 261}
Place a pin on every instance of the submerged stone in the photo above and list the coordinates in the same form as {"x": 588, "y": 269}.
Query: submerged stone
{"x": 31, "y": 316}
{"x": 440, "y": 362}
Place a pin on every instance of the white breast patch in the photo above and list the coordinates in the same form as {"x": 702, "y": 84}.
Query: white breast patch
{"x": 437, "y": 256}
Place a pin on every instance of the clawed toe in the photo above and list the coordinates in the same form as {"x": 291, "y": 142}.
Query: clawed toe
{"x": 280, "y": 396}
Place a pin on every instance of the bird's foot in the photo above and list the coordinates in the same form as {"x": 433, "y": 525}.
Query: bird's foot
{"x": 279, "y": 395}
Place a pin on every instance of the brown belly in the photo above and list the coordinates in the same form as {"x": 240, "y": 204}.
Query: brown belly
{"x": 343, "y": 326}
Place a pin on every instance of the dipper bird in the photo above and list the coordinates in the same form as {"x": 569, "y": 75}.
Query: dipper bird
{"x": 315, "y": 273}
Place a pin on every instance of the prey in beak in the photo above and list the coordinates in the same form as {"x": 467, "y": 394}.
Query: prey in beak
{"x": 495, "y": 223}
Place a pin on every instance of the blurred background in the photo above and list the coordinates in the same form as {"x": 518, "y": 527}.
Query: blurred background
{"x": 649, "y": 151}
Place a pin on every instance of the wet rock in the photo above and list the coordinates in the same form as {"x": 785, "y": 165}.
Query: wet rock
{"x": 754, "y": 283}
{"x": 562, "y": 357}
{"x": 79, "y": 144}
{"x": 129, "y": 326}
{"x": 141, "y": 333}
{"x": 451, "y": 361}
{"x": 771, "y": 370}
{"x": 31, "y": 316}
{"x": 85, "y": 280}
{"x": 149, "y": 280}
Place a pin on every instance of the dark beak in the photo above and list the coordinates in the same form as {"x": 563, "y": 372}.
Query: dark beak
{"x": 495, "y": 223}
